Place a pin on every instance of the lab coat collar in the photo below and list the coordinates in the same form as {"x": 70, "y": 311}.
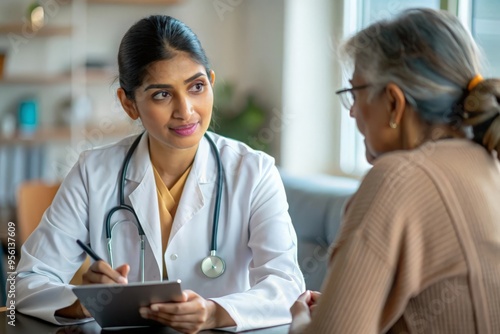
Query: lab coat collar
{"x": 204, "y": 165}
{"x": 140, "y": 161}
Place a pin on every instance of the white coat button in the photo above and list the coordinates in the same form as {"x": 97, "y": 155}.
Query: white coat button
{"x": 173, "y": 257}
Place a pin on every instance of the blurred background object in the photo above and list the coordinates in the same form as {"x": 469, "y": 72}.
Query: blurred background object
{"x": 28, "y": 117}
{"x": 3, "y": 56}
{"x": 36, "y": 15}
{"x": 241, "y": 122}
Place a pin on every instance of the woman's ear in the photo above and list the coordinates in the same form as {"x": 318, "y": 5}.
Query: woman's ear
{"x": 212, "y": 77}
{"x": 128, "y": 104}
{"x": 397, "y": 103}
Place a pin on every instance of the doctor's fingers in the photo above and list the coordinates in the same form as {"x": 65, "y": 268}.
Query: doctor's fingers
{"x": 101, "y": 272}
{"x": 123, "y": 270}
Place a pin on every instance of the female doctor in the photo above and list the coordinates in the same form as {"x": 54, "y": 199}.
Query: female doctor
{"x": 172, "y": 183}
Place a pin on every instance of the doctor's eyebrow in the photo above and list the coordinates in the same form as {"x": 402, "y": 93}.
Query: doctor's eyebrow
{"x": 188, "y": 80}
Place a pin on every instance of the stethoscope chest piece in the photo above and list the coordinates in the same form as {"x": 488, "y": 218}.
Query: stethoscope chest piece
{"x": 213, "y": 266}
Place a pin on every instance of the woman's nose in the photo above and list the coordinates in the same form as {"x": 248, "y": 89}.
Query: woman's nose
{"x": 184, "y": 108}
{"x": 351, "y": 112}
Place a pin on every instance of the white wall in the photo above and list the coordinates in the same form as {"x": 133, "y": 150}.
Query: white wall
{"x": 310, "y": 136}
{"x": 261, "y": 64}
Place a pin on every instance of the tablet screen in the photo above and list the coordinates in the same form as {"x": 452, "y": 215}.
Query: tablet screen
{"x": 117, "y": 305}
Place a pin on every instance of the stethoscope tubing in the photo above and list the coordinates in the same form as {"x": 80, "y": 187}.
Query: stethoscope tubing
{"x": 122, "y": 205}
{"x": 215, "y": 224}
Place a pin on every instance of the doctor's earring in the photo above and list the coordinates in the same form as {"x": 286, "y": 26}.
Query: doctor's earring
{"x": 393, "y": 124}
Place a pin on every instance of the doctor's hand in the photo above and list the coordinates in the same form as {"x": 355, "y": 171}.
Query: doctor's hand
{"x": 101, "y": 272}
{"x": 98, "y": 272}
{"x": 302, "y": 309}
{"x": 190, "y": 314}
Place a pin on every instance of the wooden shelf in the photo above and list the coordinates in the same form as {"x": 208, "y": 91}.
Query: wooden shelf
{"x": 42, "y": 135}
{"x": 135, "y": 2}
{"x": 61, "y": 134}
{"x": 48, "y": 30}
{"x": 35, "y": 79}
{"x": 92, "y": 76}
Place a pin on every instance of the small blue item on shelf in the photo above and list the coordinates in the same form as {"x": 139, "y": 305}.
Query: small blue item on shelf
{"x": 28, "y": 117}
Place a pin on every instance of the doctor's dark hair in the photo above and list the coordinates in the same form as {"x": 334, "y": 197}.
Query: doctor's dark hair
{"x": 432, "y": 57}
{"x": 154, "y": 38}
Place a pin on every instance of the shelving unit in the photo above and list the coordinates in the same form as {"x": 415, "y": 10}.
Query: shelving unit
{"x": 74, "y": 78}
{"x": 33, "y": 80}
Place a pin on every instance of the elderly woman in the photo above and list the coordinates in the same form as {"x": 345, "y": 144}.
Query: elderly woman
{"x": 419, "y": 250}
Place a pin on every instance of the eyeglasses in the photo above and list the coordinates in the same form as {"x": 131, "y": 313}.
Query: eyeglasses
{"x": 347, "y": 97}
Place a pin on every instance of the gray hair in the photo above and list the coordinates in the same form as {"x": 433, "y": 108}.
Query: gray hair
{"x": 427, "y": 53}
{"x": 432, "y": 57}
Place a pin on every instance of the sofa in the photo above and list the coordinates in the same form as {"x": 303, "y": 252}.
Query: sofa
{"x": 315, "y": 206}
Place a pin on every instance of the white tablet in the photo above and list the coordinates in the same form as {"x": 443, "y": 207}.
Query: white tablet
{"x": 117, "y": 305}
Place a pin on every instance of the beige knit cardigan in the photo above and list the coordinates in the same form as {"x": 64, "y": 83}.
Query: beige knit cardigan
{"x": 419, "y": 249}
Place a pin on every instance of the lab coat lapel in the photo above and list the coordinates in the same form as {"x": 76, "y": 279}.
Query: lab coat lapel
{"x": 202, "y": 177}
{"x": 144, "y": 198}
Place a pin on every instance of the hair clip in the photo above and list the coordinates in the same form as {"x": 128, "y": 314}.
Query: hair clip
{"x": 474, "y": 82}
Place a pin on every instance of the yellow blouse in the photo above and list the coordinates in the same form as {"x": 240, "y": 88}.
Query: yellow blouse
{"x": 167, "y": 204}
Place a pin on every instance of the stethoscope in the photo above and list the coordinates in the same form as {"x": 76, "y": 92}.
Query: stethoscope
{"x": 213, "y": 265}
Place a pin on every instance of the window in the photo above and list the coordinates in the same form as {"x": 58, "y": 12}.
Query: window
{"x": 486, "y": 30}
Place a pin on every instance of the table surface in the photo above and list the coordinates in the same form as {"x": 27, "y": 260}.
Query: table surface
{"x": 28, "y": 325}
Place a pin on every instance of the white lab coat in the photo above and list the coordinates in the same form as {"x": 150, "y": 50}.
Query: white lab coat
{"x": 255, "y": 234}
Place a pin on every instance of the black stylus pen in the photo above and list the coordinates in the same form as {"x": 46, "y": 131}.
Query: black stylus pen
{"x": 89, "y": 251}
